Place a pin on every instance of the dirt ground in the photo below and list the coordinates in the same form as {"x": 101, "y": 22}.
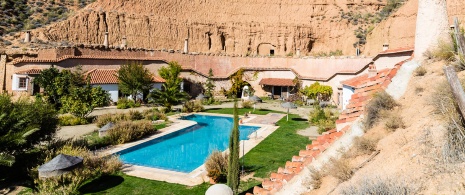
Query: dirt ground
{"x": 410, "y": 155}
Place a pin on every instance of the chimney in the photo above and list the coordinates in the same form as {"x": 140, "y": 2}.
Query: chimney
{"x": 452, "y": 27}
{"x": 357, "y": 51}
{"x": 385, "y": 46}
{"x": 105, "y": 42}
{"x": 372, "y": 70}
{"x": 124, "y": 43}
{"x": 298, "y": 52}
{"x": 152, "y": 52}
{"x": 186, "y": 46}
{"x": 27, "y": 38}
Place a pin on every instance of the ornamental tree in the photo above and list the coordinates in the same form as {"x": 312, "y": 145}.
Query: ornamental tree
{"x": 171, "y": 93}
{"x": 134, "y": 78}
{"x": 233, "y": 161}
{"x": 318, "y": 92}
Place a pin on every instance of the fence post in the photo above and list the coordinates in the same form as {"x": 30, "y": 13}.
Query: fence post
{"x": 457, "y": 90}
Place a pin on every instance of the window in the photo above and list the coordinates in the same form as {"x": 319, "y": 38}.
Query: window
{"x": 22, "y": 84}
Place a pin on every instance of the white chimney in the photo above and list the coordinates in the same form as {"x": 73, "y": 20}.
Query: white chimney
{"x": 27, "y": 38}
{"x": 385, "y": 46}
{"x": 186, "y": 50}
{"x": 105, "y": 41}
{"x": 124, "y": 43}
{"x": 298, "y": 52}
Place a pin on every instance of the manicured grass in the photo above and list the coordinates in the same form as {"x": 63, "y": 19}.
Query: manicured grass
{"x": 126, "y": 185}
{"x": 242, "y": 111}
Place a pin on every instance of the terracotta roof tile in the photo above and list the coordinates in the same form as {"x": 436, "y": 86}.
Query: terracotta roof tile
{"x": 277, "y": 82}
{"x": 397, "y": 50}
{"x": 103, "y": 76}
{"x": 30, "y": 71}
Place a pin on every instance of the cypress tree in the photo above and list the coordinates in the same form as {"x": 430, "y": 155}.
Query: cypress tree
{"x": 233, "y": 161}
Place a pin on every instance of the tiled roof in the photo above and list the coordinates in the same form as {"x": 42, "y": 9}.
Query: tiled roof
{"x": 277, "y": 82}
{"x": 103, "y": 76}
{"x": 30, "y": 71}
{"x": 397, "y": 50}
{"x": 157, "y": 79}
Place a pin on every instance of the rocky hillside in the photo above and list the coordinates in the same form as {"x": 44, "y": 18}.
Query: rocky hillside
{"x": 236, "y": 27}
{"x": 17, "y": 15}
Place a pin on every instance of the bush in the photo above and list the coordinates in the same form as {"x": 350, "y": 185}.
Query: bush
{"x": 70, "y": 120}
{"x": 94, "y": 165}
{"x": 381, "y": 101}
{"x": 135, "y": 115}
{"x": 124, "y": 103}
{"x": 324, "y": 119}
{"x": 444, "y": 51}
{"x": 420, "y": 71}
{"x": 316, "y": 176}
{"x": 216, "y": 166}
{"x": 102, "y": 120}
{"x": 247, "y": 104}
{"x": 193, "y": 106}
{"x": 394, "y": 122}
{"x": 340, "y": 169}
{"x": 365, "y": 145}
{"x": 379, "y": 186}
{"x": 126, "y": 131}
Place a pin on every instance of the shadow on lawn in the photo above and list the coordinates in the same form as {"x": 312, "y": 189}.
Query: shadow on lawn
{"x": 101, "y": 184}
{"x": 299, "y": 119}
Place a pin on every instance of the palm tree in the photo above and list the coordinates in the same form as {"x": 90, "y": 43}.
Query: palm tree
{"x": 171, "y": 93}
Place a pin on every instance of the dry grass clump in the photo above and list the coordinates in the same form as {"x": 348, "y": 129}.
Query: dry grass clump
{"x": 420, "y": 71}
{"x": 126, "y": 131}
{"x": 134, "y": 115}
{"x": 381, "y": 101}
{"x": 443, "y": 100}
{"x": 247, "y": 104}
{"x": 444, "y": 51}
{"x": 193, "y": 106}
{"x": 94, "y": 165}
{"x": 340, "y": 169}
{"x": 102, "y": 120}
{"x": 216, "y": 166}
{"x": 317, "y": 177}
{"x": 393, "y": 122}
{"x": 365, "y": 145}
{"x": 377, "y": 185}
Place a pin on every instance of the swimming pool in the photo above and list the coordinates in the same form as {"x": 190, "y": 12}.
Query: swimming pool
{"x": 186, "y": 149}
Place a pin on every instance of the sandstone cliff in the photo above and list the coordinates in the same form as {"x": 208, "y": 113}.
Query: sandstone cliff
{"x": 236, "y": 27}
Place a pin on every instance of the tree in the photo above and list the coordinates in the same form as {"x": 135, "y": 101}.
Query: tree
{"x": 237, "y": 84}
{"x": 57, "y": 84}
{"x": 82, "y": 100}
{"x": 23, "y": 124}
{"x": 318, "y": 92}
{"x": 210, "y": 86}
{"x": 134, "y": 78}
{"x": 171, "y": 92}
{"x": 233, "y": 161}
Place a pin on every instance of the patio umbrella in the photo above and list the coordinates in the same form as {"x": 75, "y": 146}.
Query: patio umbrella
{"x": 288, "y": 105}
{"x": 255, "y": 99}
{"x": 102, "y": 131}
{"x": 200, "y": 97}
{"x": 59, "y": 165}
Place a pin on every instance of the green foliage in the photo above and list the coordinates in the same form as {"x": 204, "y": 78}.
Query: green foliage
{"x": 124, "y": 103}
{"x": 216, "y": 166}
{"x": 81, "y": 101}
{"x": 134, "y": 78}
{"x": 23, "y": 124}
{"x": 135, "y": 115}
{"x": 102, "y": 120}
{"x": 318, "y": 92}
{"x": 209, "y": 87}
{"x": 171, "y": 93}
{"x": 193, "y": 106}
{"x": 126, "y": 131}
{"x": 237, "y": 83}
{"x": 247, "y": 104}
{"x": 94, "y": 165}
{"x": 233, "y": 160}
{"x": 324, "y": 119}
{"x": 71, "y": 120}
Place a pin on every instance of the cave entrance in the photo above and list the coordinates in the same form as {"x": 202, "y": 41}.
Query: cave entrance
{"x": 266, "y": 49}
{"x": 271, "y": 52}
{"x": 223, "y": 42}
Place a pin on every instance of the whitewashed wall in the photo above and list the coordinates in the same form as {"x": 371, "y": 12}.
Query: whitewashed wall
{"x": 347, "y": 93}
{"x": 112, "y": 90}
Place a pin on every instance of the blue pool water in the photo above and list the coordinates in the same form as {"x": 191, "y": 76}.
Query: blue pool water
{"x": 186, "y": 149}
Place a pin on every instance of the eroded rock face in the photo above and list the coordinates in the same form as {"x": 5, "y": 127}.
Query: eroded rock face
{"x": 240, "y": 27}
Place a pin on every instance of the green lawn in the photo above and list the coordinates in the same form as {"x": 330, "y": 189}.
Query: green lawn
{"x": 265, "y": 158}
{"x": 242, "y": 111}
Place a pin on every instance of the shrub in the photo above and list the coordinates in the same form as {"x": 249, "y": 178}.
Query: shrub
{"x": 380, "y": 186}
{"x": 324, "y": 119}
{"x": 70, "y": 120}
{"x": 94, "y": 165}
{"x": 381, "y": 101}
{"x": 420, "y": 71}
{"x": 316, "y": 176}
{"x": 394, "y": 122}
{"x": 298, "y": 102}
{"x": 193, "y": 106}
{"x": 340, "y": 169}
{"x": 135, "y": 115}
{"x": 126, "y": 131}
{"x": 216, "y": 166}
{"x": 365, "y": 145}
{"x": 247, "y": 104}
{"x": 124, "y": 103}
{"x": 444, "y": 51}
{"x": 106, "y": 118}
